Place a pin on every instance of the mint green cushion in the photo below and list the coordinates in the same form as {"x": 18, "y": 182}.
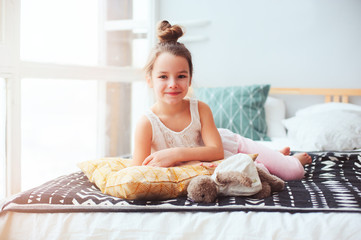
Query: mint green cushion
{"x": 239, "y": 109}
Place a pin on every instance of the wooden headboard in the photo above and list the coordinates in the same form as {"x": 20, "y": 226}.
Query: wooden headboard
{"x": 331, "y": 94}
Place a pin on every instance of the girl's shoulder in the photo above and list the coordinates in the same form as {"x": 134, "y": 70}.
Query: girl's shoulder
{"x": 203, "y": 106}
{"x": 144, "y": 122}
{"x": 204, "y": 110}
{"x": 143, "y": 131}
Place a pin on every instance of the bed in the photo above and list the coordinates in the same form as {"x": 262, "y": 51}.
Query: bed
{"x": 326, "y": 204}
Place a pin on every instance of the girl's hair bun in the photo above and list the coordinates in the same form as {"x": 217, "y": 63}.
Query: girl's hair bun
{"x": 168, "y": 33}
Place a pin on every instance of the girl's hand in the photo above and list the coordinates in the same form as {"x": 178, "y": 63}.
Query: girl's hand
{"x": 163, "y": 158}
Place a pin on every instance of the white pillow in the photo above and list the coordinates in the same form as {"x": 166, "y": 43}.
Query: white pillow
{"x": 325, "y": 107}
{"x": 330, "y": 130}
{"x": 275, "y": 110}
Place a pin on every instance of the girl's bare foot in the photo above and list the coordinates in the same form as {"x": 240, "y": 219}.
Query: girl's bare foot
{"x": 285, "y": 151}
{"x": 304, "y": 158}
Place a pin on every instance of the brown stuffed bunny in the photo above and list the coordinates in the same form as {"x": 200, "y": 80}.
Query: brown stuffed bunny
{"x": 204, "y": 189}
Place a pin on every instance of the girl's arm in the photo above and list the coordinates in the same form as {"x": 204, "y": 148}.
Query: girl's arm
{"x": 142, "y": 141}
{"x": 213, "y": 149}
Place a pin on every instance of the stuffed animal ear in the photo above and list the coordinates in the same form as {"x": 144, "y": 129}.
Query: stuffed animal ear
{"x": 202, "y": 189}
{"x": 253, "y": 156}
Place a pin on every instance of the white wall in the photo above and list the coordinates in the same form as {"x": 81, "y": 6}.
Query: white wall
{"x": 287, "y": 43}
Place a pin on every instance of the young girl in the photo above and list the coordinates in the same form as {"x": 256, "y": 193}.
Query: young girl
{"x": 178, "y": 130}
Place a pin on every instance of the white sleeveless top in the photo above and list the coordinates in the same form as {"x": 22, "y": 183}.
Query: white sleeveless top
{"x": 164, "y": 137}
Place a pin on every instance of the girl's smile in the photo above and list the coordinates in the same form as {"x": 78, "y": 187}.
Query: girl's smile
{"x": 173, "y": 93}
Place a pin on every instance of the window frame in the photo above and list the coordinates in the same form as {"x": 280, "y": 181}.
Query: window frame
{"x": 13, "y": 70}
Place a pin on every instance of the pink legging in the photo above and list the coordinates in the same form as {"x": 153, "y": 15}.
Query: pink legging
{"x": 285, "y": 167}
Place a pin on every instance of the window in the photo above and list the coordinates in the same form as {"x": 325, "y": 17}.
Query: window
{"x": 2, "y": 137}
{"x": 63, "y": 32}
{"x": 77, "y": 77}
{"x": 58, "y": 127}
{"x": 58, "y": 116}
{"x": 68, "y": 79}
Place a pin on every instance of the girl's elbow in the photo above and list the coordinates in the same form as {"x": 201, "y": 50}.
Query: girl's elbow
{"x": 220, "y": 153}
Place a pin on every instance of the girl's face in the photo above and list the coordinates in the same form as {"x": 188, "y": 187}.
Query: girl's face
{"x": 170, "y": 78}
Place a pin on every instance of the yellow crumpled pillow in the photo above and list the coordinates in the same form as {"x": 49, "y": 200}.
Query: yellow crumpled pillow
{"x": 116, "y": 177}
{"x": 98, "y": 170}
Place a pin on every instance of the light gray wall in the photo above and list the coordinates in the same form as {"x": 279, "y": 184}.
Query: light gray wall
{"x": 287, "y": 43}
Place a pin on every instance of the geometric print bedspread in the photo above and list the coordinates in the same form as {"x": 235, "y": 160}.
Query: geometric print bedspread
{"x": 332, "y": 183}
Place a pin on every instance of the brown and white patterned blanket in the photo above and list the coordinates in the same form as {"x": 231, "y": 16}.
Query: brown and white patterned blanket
{"x": 332, "y": 183}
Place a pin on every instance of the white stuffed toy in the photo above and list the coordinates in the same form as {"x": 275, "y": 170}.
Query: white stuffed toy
{"x": 239, "y": 166}
{"x": 235, "y": 176}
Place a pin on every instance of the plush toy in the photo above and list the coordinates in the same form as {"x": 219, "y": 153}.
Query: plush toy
{"x": 205, "y": 189}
